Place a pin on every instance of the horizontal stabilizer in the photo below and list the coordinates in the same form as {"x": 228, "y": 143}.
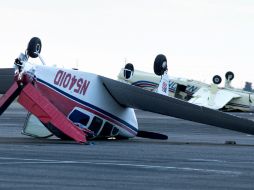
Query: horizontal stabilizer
{"x": 131, "y": 96}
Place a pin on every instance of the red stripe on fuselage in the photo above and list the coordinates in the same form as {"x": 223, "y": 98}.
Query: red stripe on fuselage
{"x": 66, "y": 105}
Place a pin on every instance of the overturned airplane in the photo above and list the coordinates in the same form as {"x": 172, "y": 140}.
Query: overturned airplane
{"x": 77, "y": 105}
{"x": 211, "y": 96}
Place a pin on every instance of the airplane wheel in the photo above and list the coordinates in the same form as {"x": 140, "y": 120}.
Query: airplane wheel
{"x": 217, "y": 79}
{"x": 160, "y": 64}
{"x": 128, "y": 70}
{"x": 229, "y": 75}
{"x": 34, "y": 47}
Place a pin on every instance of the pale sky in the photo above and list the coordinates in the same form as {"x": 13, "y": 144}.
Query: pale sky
{"x": 200, "y": 38}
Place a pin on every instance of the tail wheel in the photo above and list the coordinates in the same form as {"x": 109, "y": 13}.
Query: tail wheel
{"x": 217, "y": 79}
{"x": 160, "y": 64}
{"x": 34, "y": 47}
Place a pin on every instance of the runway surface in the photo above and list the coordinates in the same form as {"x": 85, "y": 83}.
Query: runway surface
{"x": 194, "y": 157}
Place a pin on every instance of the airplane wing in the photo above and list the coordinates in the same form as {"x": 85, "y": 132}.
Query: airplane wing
{"x": 131, "y": 96}
{"x": 217, "y": 101}
{"x": 6, "y": 79}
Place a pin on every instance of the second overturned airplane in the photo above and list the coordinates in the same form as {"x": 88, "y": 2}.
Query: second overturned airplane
{"x": 192, "y": 91}
{"x": 72, "y": 104}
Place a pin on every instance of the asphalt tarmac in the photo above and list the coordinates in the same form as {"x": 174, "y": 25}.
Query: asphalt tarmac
{"x": 195, "y": 156}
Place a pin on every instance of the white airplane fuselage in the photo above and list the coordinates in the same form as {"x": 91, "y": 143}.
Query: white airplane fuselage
{"x": 185, "y": 89}
{"x": 83, "y": 99}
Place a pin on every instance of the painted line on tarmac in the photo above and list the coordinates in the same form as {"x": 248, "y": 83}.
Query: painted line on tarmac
{"x": 207, "y": 160}
{"x": 12, "y": 161}
{"x": 8, "y": 124}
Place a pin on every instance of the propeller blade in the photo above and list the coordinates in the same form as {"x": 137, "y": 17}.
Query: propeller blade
{"x": 151, "y": 135}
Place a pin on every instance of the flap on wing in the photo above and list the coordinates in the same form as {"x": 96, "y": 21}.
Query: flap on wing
{"x": 131, "y": 96}
{"x": 214, "y": 100}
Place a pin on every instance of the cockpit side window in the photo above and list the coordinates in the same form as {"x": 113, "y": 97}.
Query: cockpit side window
{"x": 95, "y": 125}
{"x": 106, "y": 130}
{"x": 78, "y": 117}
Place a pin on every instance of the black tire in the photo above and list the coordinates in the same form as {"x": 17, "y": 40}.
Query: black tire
{"x": 229, "y": 75}
{"x": 34, "y": 47}
{"x": 217, "y": 79}
{"x": 130, "y": 69}
{"x": 57, "y": 132}
{"x": 159, "y": 66}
